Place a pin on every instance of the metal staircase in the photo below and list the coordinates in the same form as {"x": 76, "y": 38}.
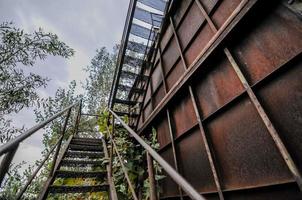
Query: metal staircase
{"x": 82, "y": 158}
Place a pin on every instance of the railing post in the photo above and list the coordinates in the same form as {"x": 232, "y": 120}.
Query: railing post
{"x": 8, "y": 157}
{"x": 31, "y": 178}
{"x": 153, "y": 193}
{"x": 78, "y": 118}
{"x": 60, "y": 143}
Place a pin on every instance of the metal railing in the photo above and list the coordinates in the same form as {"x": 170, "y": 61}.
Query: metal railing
{"x": 185, "y": 186}
{"x": 9, "y": 149}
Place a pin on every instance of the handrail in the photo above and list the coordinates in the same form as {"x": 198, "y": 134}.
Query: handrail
{"x": 164, "y": 164}
{"x": 123, "y": 166}
{"x": 20, "y": 193}
{"x": 9, "y": 149}
{"x": 13, "y": 143}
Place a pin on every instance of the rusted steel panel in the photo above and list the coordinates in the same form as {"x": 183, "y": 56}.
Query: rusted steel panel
{"x": 148, "y": 94}
{"x": 159, "y": 95}
{"x": 166, "y": 37}
{"x": 267, "y": 47}
{"x": 224, "y": 10}
{"x": 282, "y": 99}
{"x": 183, "y": 113}
{"x": 156, "y": 77}
{"x": 162, "y": 128}
{"x": 246, "y": 154}
{"x": 218, "y": 86}
{"x": 198, "y": 44}
{"x": 148, "y": 109}
{"x": 274, "y": 41}
{"x": 181, "y": 10}
{"x": 282, "y": 191}
{"x": 193, "y": 162}
{"x": 174, "y": 74}
{"x": 170, "y": 55}
{"x": 190, "y": 25}
{"x": 168, "y": 186}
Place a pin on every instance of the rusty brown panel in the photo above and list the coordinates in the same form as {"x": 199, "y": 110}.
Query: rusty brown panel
{"x": 272, "y": 39}
{"x": 140, "y": 122}
{"x": 148, "y": 94}
{"x": 170, "y": 56}
{"x": 183, "y": 113}
{"x": 181, "y": 10}
{"x": 156, "y": 77}
{"x": 159, "y": 95}
{"x": 168, "y": 186}
{"x": 209, "y": 4}
{"x": 219, "y": 84}
{"x": 198, "y": 44}
{"x": 190, "y": 25}
{"x": 162, "y": 130}
{"x": 288, "y": 191}
{"x": 148, "y": 109}
{"x": 174, "y": 74}
{"x": 245, "y": 152}
{"x": 193, "y": 162}
{"x": 223, "y": 11}
{"x": 281, "y": 97}
{"x": 166, "y": 37}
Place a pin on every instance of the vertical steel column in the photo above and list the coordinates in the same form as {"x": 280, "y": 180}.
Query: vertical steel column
{"x": 197, "y": 113}
{"x": 8, "y": 157}
{"x": 169, "y": 120}
{"x": 271, "y": 129}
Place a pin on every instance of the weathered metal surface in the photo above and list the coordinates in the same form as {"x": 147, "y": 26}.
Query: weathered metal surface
{"x": 242, "y": 60}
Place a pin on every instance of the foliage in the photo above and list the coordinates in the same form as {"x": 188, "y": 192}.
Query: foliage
{"x": 8, "y": 131}
{"x": 133, "y": 156}
{"x": 18, "y": 89}
{"x": 97, "y": 85}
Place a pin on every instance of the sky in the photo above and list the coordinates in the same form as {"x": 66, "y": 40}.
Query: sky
{"x": 84, "y": 25}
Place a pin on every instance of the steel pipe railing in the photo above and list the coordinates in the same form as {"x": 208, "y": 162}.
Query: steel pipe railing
{"x": 122, "y": 164}
{"x": 19, "y": 195}
{"x": 9, "y": 149}
{"x": 187, "y": 187}
{"x": 13, "y": 143}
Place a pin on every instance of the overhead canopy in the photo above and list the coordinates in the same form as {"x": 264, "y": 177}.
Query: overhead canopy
{"x": 144, "y": 18}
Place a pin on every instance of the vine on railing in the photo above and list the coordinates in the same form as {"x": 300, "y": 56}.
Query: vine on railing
{"x": 134, "y": 157}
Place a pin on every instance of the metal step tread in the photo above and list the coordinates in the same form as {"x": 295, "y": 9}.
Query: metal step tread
{"x": 85, "y": 147}
{"x": 80, "y": 174}
{"x": 78, "y": 189}
{"x": 86, "y": 154}
{"x": 81, "y": 162}
{"x": 88, "y": 143}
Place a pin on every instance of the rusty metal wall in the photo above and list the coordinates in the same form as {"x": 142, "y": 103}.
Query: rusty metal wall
{"x": 225, "y": 96}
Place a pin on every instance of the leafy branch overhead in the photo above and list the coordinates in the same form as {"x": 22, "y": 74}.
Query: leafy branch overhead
{"x": 19, "y": 49}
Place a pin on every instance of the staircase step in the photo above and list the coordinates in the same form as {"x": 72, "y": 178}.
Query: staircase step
{"x": 80, "y": 163}
{"x": 78, "y": 142}
{"x": 85, "y": 147}
{"x": 78, "y": 174}
{"x": 78, "y": 189}
{"x": 76, "y": 154}
{"x": 82, "y": 139}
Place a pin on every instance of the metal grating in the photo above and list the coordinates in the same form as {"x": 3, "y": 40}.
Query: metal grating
{"x": 143, "y": 22}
